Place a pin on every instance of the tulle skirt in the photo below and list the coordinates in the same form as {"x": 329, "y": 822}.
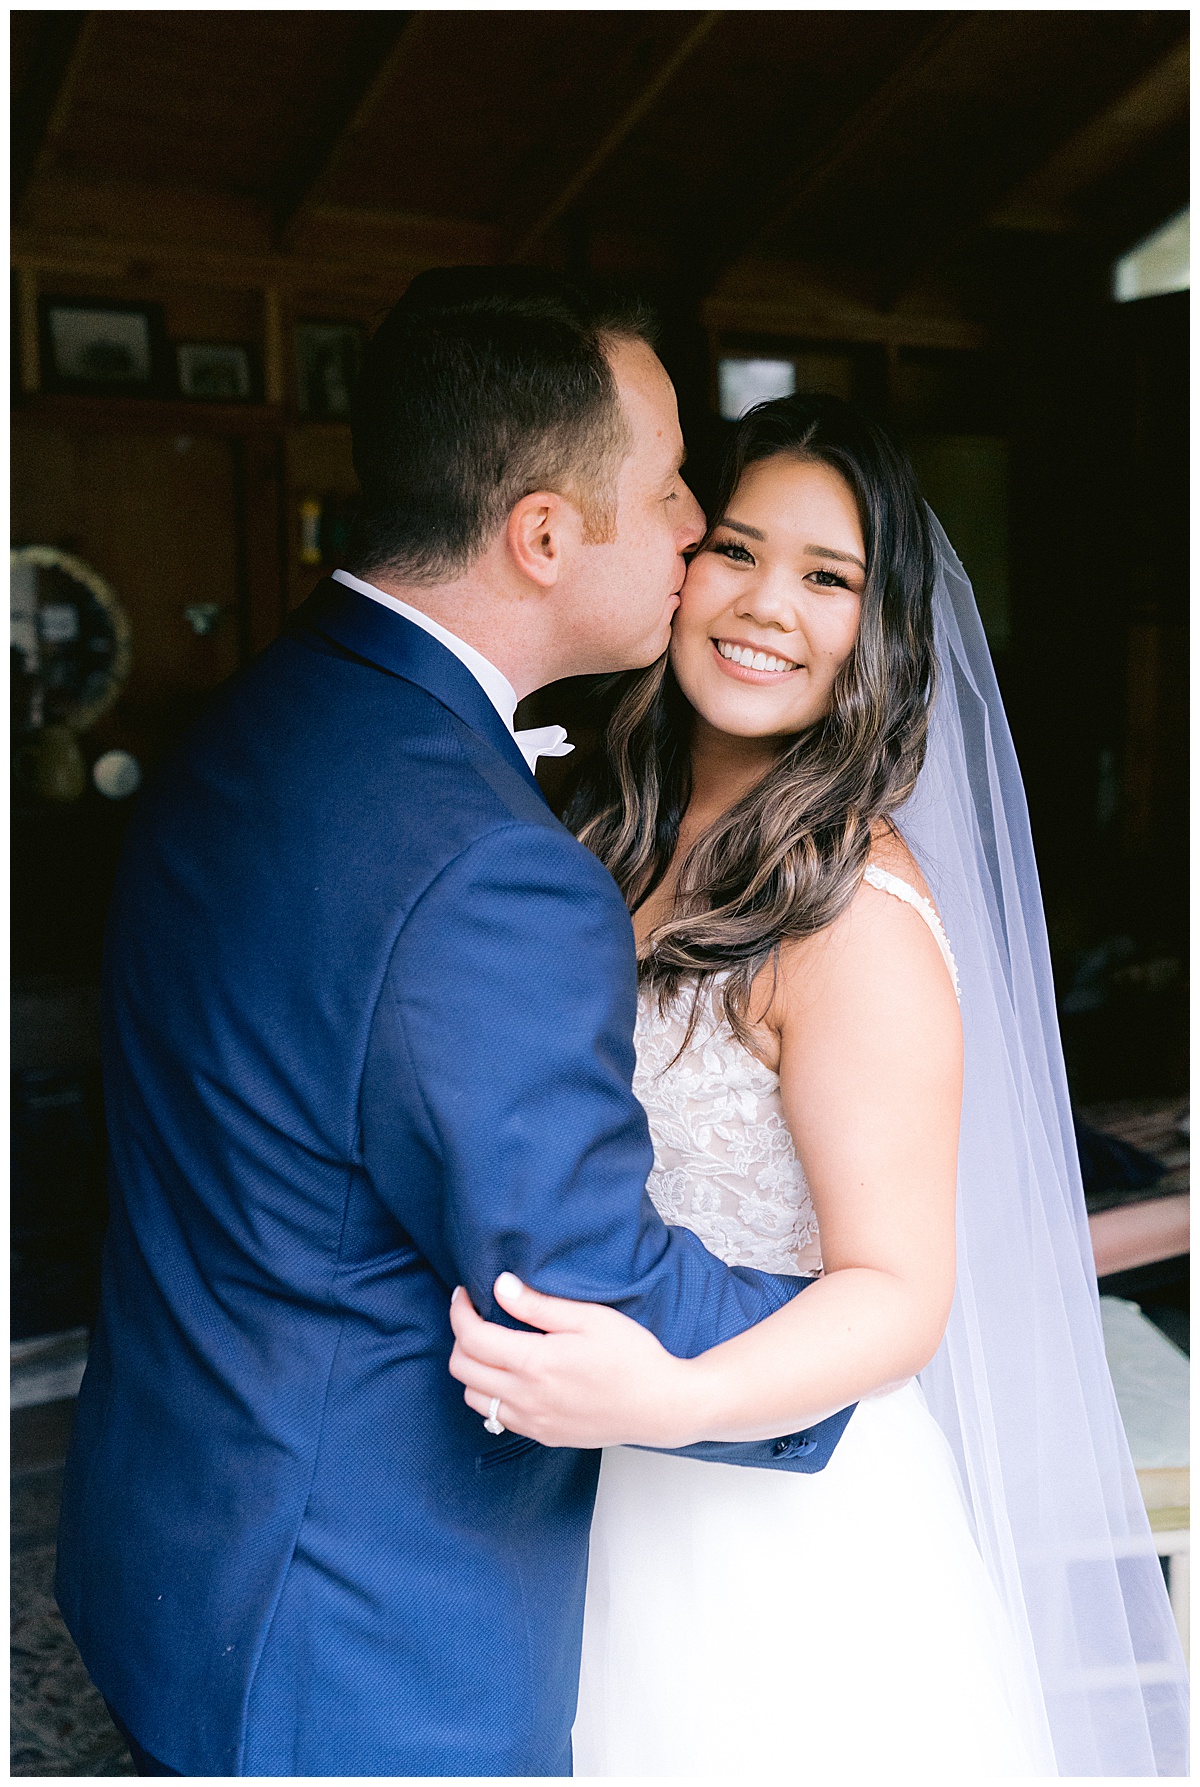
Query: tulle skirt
{"x": 838, "y": 1625}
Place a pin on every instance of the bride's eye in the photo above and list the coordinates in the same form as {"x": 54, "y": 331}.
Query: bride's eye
{"x": 830, "y": 579}
{"x": 733, "y": 549}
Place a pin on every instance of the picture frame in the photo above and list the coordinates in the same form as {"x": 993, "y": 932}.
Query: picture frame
{"x": 101, "y": 347}
{"x": 215, "y": 371}
{"x": 328, "y": 357}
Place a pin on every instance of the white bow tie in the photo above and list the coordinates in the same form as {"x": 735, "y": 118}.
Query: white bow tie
{"x": 542, "y": 741}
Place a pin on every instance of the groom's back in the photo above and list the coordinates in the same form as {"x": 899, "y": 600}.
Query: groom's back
{"x": 276, "y": 1494}
{"x": 369, "y": 1034}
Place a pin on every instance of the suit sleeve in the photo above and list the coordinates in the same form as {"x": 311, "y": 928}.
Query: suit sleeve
{"x": 502, "y": 1048}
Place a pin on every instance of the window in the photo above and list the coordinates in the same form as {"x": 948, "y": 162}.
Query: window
{"x": 743, "y": 383}
{"x": 1159, "y": 264}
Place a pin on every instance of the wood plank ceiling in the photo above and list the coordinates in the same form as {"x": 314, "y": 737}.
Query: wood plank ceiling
{"x": 694, "y": 147}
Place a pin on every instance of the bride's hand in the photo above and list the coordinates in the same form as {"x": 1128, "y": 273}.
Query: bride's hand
{"x": 591, "y": 1378}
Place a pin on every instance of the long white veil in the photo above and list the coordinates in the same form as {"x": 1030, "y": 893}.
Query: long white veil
{"x": 1020, "y": 1385}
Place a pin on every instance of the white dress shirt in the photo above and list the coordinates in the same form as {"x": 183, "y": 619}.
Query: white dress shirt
{"x": 533, "y": 741}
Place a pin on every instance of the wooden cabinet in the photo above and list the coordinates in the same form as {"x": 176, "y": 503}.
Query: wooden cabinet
{"x": 180, "y": 507}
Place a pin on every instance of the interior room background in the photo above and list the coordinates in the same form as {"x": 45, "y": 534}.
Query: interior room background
{"x": 922, "y": 211}
{"x": 972, "y": 223}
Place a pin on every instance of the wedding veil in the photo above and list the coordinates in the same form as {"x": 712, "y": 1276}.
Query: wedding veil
{"x": 1020, "y": 1385}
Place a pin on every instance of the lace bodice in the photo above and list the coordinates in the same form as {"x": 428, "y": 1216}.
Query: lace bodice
{"x": 724, "y": 1163}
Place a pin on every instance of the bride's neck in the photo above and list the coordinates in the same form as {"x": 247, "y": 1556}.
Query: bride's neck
{"x": 724, "y": 768}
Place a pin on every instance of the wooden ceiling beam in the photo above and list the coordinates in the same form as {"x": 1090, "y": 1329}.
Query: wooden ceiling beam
{"x": 766, "y": 299}
{"x": 525, "y": 237}
{"x": 386, "y": 41}
{"x": 757, "y": 222}
{"x": 1105, "y": 144}
{"x": 343, "y": 251}
{"x": 42, "y": 108}
{"x": 1118, "y": 132}
{"x": 1139, "y": 196}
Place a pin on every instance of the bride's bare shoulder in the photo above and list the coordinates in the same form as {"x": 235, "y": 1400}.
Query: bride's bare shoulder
{"x": 890, "y": 853}
{"x": 878, "y": 947}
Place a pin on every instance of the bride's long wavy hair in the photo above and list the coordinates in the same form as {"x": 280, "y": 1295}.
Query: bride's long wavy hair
{"x": 787, "y": 858}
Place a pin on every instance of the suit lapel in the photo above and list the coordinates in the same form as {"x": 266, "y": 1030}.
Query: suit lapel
{"x": 396, "y": 645}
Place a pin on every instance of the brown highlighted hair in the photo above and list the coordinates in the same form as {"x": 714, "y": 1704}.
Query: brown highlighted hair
{"x": 787, "y": 859}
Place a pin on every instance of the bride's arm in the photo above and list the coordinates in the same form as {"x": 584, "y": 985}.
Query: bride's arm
{"x": 871, "y": 1077}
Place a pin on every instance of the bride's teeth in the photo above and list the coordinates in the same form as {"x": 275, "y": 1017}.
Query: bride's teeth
{"x": 752, "y": 660}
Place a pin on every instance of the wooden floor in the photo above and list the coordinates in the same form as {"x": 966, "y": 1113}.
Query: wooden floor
{"x": 59, "y": 1723}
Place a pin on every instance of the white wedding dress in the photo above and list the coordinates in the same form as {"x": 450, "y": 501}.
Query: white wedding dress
{"x": 838, "y": 1625}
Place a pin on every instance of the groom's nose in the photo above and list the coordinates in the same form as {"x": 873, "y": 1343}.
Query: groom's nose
{"x": 691, "y": 523}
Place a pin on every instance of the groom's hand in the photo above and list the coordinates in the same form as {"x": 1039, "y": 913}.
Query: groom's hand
{"x": 591, "y": 1378}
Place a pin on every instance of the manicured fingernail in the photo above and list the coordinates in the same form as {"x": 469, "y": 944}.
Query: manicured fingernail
{"x": 508, "y": 1285}
{"x": 456, "y": 1292}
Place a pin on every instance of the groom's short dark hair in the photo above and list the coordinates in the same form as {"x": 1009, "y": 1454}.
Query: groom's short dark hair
{"x": 482, "y": 385}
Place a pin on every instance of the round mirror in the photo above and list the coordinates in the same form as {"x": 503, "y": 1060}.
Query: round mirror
{"x": 70, "y": 640}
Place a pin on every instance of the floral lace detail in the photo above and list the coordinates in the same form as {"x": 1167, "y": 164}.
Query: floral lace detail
{"x": 724, "y": 1164}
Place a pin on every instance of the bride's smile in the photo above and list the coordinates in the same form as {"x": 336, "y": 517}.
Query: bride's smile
{"x": 770, "y": 609}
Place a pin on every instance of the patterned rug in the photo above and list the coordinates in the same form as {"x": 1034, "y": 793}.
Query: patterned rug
{"x": 59, "y": 1722}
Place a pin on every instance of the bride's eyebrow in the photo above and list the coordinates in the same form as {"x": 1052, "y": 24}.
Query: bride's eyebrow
{"x": 739, "y": 527}
{"x": 843, "y": 558}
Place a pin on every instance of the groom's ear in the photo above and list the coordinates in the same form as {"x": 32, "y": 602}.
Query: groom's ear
{"x": 536, "y": 535}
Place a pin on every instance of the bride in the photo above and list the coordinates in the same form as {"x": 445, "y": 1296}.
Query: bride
{"x": 968, "y": 1587}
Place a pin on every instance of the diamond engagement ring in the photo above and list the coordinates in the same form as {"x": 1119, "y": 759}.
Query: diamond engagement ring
{"x": 493, "y": 1424}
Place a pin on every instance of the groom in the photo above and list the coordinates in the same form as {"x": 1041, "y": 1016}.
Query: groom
{"x": 369, "y": 1011}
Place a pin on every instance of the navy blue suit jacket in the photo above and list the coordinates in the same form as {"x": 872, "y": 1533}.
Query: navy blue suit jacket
{"x": 368, "y": 1021}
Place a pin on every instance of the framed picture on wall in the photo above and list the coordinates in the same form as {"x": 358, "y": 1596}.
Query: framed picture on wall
{"x": 328, "y": 356}
{"x": 100, "y": 346}
{"x": 215, "y": 371}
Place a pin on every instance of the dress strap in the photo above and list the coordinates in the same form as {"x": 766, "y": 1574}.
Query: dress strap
{"x": 892, "y": 884}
